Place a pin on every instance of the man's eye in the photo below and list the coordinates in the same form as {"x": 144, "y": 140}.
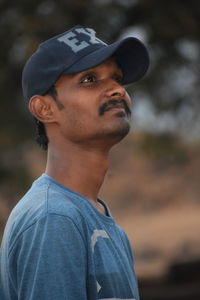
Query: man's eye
{"x": 89, "y": 78}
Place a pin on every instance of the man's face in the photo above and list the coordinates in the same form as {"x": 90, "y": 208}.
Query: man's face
{"x": 93, "y": 105}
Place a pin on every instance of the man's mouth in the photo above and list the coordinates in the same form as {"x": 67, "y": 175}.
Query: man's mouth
{"x": 118, "y": 105}
{"x": 115, "y": 107}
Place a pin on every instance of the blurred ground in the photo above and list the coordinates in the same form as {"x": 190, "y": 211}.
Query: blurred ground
{"x": 156, "y": 199}
{"x": 163, "y": 237}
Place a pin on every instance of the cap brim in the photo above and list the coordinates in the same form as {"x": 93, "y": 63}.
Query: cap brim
{"x": 130, "y": 54}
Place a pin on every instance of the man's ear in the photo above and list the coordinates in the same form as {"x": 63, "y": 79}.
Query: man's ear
{"x": 41, "y": 108}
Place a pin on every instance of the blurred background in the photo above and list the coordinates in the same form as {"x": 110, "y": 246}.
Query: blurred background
{"x": 153, "y": 185}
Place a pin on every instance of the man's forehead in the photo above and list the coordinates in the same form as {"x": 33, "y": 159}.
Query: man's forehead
{"x": 109, "y": 65}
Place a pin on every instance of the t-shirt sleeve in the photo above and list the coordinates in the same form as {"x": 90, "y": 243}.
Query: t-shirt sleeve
{"x": 50, "y": 259}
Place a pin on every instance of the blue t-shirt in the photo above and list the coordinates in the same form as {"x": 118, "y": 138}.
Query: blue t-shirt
{"x": 58, "y": 246}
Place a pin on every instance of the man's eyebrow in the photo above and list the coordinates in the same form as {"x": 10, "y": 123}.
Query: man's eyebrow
{"x": 118, "y": 72}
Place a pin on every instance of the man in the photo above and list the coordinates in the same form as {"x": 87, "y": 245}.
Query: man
{"x": 61, "y": 241}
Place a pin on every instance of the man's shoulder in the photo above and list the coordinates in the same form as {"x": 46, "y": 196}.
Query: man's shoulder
{"x": 62, "y": 201}
{"x": 42, "y": 199}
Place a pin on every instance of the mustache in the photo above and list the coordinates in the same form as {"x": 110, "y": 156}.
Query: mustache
{"x": 112, "y": 103}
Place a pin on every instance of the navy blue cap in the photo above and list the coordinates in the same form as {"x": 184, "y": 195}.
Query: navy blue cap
{"x": 76, "y": 50}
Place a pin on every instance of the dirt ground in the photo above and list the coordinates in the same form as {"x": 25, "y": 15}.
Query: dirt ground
{"x": 157, "y": 202}
{"x": 162, "y": 237}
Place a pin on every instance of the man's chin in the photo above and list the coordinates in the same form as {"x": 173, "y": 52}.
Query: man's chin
{"x": 119, "y": 132}
{"x": 108, "y": 135}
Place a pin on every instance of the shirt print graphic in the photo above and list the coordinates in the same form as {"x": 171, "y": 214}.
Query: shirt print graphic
{"x": 109, "y": 283}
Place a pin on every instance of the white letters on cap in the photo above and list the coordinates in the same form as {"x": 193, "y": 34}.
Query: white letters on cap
{"x": 72, "y": 42}
{"x": 91, "y": 33}
{"x": 71, "y": 39}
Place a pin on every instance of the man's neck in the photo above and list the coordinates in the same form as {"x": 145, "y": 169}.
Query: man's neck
{"x": 81, "y": 169}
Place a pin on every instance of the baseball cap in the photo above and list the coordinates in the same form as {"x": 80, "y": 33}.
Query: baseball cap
{"x": 77, "y": 50}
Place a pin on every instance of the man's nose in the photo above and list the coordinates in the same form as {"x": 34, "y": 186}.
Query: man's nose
{"x": 115, "y": 89}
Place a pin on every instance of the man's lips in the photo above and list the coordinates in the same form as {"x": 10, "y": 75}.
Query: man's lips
{"x": 114, "y": 104}
{"x": 115, "y": 107}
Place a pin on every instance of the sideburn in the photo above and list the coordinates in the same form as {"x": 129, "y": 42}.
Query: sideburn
{"x": 59, "y": 104}
{"x": 53, "y": 93}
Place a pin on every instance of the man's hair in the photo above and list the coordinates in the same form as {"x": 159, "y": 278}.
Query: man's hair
{"x": 41, "y": 137}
